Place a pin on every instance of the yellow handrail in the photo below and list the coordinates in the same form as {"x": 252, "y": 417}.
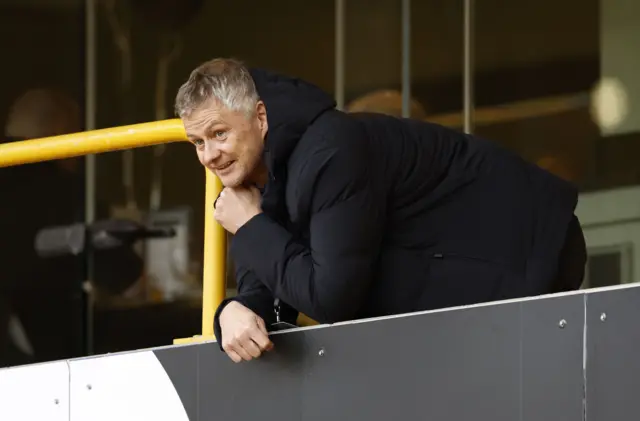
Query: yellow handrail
{"x": 91, "y": 142}
{"x": 215, "y": 258}
{"x": 135, "y": 136}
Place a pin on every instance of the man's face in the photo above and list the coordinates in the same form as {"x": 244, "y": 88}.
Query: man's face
{"x": 229, "y": 143}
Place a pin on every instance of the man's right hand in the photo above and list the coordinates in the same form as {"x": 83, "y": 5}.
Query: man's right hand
{"x": 244, "y": 334}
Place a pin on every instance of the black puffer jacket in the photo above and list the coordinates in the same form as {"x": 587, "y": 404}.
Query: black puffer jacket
{"x": 369, "y": 215}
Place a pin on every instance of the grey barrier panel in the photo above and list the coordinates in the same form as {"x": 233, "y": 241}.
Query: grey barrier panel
{"x": 442, "y": 366}
{"x": 552, "y": 368}
{"x": 500, "y": 362}
{"x": 613, "y": 355}
{"x": 489, "y": 362}
{"x": 181, "y": 365}
{"x": 269, "y": 388}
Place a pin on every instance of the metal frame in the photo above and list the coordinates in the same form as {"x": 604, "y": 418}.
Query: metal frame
{"x": 90, "y": 100}
{"x": 468, "y": 60}
{"x": 406, "y": 58}
{"x": 339, "y": 53}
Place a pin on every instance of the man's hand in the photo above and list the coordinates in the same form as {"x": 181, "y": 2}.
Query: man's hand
{"x": 244, "y": 334}
{"x": 236, "y": 206}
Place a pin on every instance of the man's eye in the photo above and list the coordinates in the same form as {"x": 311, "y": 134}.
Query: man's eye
{"x": 219, "y": 133}
{"x": 198, "y": 142}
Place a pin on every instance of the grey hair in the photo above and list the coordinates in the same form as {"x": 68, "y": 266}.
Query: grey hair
{"x": 225, "y": 80}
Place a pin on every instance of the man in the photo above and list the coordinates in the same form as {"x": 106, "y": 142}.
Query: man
{"x": 345, "y": 216}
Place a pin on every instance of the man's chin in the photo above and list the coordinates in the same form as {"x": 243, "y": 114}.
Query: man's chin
{"x": 231, "y": 181}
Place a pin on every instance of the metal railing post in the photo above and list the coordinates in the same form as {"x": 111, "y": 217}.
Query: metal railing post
{"x": 339, "y": 46}
{"x": 406, "y": 58}
{"x": 468, "y": 60}
{"x": 90, "y": 161}
{"x": 215, "y": 260}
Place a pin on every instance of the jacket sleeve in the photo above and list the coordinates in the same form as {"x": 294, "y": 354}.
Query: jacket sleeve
{"x": 254, "y": 295}
{"x": 329, "y": 279}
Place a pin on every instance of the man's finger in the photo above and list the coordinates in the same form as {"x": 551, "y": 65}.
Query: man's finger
{"x": 261, "y": 338}
{"x": 229, "y": 349}
{"x": 238, "y": 348}
{"x": 263, "y": 329}
{"x": 261, "y": 325}
{"x": 234, "y": 356}
{"x": 252, "y": 348}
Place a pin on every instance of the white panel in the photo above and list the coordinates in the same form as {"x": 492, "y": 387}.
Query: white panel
{"x": 35, "y": 392}
{"x": 123, "y": 387}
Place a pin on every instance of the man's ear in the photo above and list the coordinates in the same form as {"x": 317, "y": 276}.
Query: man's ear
{"x": 261, "y": 113}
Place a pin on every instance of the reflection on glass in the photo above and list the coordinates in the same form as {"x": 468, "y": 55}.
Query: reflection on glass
{"x": 534, "y": 72}
{"x": 556, "y": 83}
{"x": 374, "y": 59}
{"x": 437, "y": 59}
{"x": 373, "y": 56}
{"x": 41, "y": 94}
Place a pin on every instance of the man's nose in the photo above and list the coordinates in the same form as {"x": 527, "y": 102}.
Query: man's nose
{"x": 211, "y": 153}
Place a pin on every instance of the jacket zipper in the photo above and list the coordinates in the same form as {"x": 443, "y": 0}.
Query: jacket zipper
{"x": 460, "y": 256}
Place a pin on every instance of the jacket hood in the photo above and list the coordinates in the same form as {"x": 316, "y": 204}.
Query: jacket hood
{"x": 292, "y": 105}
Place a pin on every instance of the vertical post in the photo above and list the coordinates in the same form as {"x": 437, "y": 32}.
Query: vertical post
{"x": 406, "y": 58}
{"x": 90, "y": 160}
{"x": 215, "y": 250}
{"x": 468, "y": 100}
{"x": 339, "y": 53}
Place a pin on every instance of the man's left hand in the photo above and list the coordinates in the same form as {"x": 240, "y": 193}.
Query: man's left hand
{"x": 236, "y": 206}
